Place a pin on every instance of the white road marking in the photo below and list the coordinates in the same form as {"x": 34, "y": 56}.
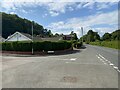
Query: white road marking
{"x": 111, "y": 64}
{"x": 73, "y": 59}
{"x": 118, "y": 70}
{"x": 107, "y": 61}
{"x": 115, "y": 67}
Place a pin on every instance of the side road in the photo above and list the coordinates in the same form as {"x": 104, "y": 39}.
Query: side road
{"x": 84, "y": 69}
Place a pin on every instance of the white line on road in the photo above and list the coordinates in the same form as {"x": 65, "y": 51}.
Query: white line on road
{"x": 107, "y": 61}
{"x": 111, "y": 64}
{"x": 73, "y": 59}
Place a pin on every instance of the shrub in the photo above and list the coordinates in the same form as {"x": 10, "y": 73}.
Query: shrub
{"x": 78, "y": 44}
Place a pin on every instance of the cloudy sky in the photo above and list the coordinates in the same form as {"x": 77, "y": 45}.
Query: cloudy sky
{"x": 64, "y": 17}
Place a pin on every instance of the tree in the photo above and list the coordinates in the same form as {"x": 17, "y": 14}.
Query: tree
{"x": 50, "y": 33}
{"x": 115, "y": 35}
{"x": 96, "y": 36}
{"x": 106, "y": 36}
{"x": 57, "y": 35}
{"x": 12, "y": 23}
{"x": 91, "y": 36}
{"x": 74, "y": 35}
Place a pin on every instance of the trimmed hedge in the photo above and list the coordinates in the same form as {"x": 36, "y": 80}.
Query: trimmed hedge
{"x": 37, "y": 46}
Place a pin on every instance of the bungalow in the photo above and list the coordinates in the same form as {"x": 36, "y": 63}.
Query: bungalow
{"x": 17, "y": 36}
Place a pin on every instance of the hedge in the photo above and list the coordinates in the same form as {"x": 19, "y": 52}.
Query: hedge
{"x": 37, "y": 46}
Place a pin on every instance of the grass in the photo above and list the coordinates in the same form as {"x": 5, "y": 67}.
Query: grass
{"x": 110, "y": 44}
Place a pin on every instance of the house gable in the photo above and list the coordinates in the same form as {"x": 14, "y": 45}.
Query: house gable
{"x": 17, "y": 36}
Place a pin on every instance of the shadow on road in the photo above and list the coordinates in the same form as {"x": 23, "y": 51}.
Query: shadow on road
{"x": 83, "y": 47}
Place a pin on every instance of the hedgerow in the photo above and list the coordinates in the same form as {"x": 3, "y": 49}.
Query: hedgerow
{"x": 37, "y": 46}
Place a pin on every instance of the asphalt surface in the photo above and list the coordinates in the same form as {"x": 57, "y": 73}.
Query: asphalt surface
{"x": 91, "y": 67}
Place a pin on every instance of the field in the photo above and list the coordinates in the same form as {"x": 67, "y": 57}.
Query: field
{"x": 110, "y": 44}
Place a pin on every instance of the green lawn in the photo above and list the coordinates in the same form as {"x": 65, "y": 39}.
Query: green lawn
{"x": 110, "y": 44}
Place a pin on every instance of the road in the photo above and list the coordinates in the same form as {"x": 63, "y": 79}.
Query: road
{"x": 91, "y": 67}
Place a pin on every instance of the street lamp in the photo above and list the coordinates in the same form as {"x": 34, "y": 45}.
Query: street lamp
{"x": 82, "y": 33}
{"x": 32, "y": 38}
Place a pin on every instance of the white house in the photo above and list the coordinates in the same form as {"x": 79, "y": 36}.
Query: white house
{"x": 17, "y": 36}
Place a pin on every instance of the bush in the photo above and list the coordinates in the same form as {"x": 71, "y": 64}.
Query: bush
{"x": 37, "y": 46}
{"x": 78, "y": 44}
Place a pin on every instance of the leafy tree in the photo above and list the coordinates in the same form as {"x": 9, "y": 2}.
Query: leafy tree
{"x": 57, "y": 35}
{"x": 74, "y": 35}
{"x": 115, "y": 35}
{"x": 96, "y": 36}
{"x": 90, "y": 36}
{"x": 106, "y": 36}
{"x": 12, "y": 23}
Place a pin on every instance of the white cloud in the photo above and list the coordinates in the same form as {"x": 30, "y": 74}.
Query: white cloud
{"x": 87, "y": 22}
{"x": 12, "y": 12}
{"x": 54, "y": 8}
{"x": 89, "y": 5}
{"x": 103, "y": 5}
{"x": 53, "y": 13}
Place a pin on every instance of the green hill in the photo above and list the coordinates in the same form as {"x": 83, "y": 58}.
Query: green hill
{"x": 12, "y": 23}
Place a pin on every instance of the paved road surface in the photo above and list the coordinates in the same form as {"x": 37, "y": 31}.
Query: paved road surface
{"x": 92, "y": 67}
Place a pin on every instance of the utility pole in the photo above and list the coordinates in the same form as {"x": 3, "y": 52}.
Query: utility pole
{"x": 32, "y": 38}
{"x": 82, "y": 33}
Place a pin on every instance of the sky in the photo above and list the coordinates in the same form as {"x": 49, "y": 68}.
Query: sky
{"x": 64, "y": 17}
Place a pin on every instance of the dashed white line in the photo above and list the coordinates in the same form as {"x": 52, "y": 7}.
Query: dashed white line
{"x": 105, "y": 61}
{"x": 73, "y": 59}
{"x": 115, "y": 67}
{"x": 111, "y": 64}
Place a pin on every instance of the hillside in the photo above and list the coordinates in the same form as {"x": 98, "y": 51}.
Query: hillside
{"x": 12, "y": 23}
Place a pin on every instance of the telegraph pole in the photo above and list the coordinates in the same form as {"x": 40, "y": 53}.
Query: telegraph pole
{"x": 82, "y": 33}
{"x": 32, "y": 38}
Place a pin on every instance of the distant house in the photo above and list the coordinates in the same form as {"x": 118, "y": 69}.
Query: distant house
{"x": 17, "y": 36}
{"x": 67, "y": 37}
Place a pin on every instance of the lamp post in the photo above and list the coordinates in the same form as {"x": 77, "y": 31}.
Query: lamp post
{"x": 32, "y": 39}
{"x": 82, "y": 33}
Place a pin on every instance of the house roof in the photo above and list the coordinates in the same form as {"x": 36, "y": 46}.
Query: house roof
{"x": 36, "y": 38}
{"x": 68, "y": 35}
{"x": 52, "y": 39}
{"x": 27, "y": 35}
{"x": 18, "y": 33}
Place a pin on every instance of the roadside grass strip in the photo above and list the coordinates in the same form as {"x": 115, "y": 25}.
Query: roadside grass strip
{"x": 105, "y": 61}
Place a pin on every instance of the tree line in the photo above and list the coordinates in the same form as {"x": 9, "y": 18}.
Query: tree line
{"x": 12, "y": 23}
{"x": 92, "y": 36}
